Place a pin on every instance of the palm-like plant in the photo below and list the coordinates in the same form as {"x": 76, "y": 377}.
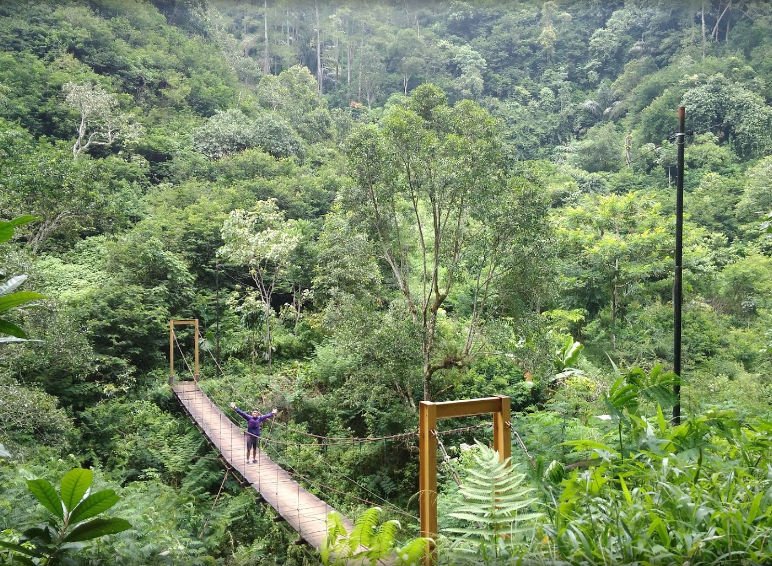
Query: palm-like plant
{"x": 497, "y": 508}
{"x": 10, "y": 298}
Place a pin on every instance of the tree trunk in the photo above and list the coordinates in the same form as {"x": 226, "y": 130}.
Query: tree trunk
{"x": 628, "y": 150}
{"x": 348, "y": 64}
{"x": 702, "y": 16}
{"x": 361, "y": 56}
{"x": 266, "y": 54}
{"x": 428, "y": 346}
{"x": 337, "y": 59}
{"x": 714, "y": 33}
{"x": 319, "y": 74}
{"x": 268, "y": 353}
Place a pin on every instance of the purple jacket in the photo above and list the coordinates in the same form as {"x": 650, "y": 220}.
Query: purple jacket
{"x": 253, "y": 423}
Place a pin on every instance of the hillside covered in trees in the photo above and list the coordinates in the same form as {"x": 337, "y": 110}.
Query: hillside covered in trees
{"x": 370, "y": 205}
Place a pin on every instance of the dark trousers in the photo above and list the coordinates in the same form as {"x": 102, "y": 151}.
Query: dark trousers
{"x": 252, "y": 442}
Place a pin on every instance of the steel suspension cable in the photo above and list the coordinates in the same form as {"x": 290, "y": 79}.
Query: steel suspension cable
{"x": 327, "y": 487}
{"x": 211, "y": 355}
{"x": 272, "y": 441}
{"x": 184, "y": 358}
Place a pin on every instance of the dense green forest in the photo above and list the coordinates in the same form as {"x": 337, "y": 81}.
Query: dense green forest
{"x": 369, "y": 205}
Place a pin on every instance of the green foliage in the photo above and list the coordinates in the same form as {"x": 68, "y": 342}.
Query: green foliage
{"x": 231, "y": 131}
{"x": 265, "y": 242}
{"x": 735, "y": 112}
{"x": 158, "y": 445}
{"x": 600, "y": 150}
{"x": 133, "y": 131}
{"x": 673, "y": 499}
{"x": 74, "y": 508}
{"x": 10, "y": 298}
{"x": 497, "y": 510}
{"x": 31, "y": 416}
{"x": 370, "y": 541}
{"x": 492, "y": 376}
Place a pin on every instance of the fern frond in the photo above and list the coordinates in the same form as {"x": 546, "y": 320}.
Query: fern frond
{"x": 385, "y": 536}
{"x": 413, "y": 552}
{"x": 335, "y": 531}
{"x": 364, "y": 527}
{"x": 496, "y": 497}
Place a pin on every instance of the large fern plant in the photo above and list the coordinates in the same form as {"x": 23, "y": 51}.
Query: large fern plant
{"x": 371, "y": 541}
{"x": 497, "y": 510}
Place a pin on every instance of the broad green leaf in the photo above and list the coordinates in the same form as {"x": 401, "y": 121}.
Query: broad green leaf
{"x": 11, "y": 329}
{"x": 18, "y": 548}
{"x": 44, "y": 533}
{"x": 7, "y": 226}
{"x": 75, "y": 483}
{"x": 46, "y": 494}
{"x": 93, "y": 505}
{"x": 625, "y": 491}
{"x": 755, "y": 505}
{"x": 17, "y": 299}
{"x": 97, "y": 528}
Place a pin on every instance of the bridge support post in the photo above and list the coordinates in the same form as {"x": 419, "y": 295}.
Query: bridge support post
{"x": 171, "y": 352}
{"x": 428, "y": 415}
{"x": 196, "y": 366}
{"x": 427, "y": 465}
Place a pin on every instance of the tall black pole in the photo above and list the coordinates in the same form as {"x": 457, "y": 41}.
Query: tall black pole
{"x": 679, "y": 252}
{"x": 217, "y": 328}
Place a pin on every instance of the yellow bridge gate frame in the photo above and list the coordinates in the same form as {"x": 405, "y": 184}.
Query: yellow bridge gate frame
{"x": 429, "y": 413}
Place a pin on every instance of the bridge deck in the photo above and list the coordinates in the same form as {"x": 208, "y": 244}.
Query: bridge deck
{"x": 305, "y": 512}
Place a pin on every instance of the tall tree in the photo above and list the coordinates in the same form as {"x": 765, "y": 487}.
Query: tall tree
{"x": 430, "y": 190}
{"x": 264, "y": 241}
{"x": 613, "y": 245}
{"x": 101, "y": 123}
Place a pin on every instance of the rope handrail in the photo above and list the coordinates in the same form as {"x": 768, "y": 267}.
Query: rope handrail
{"x": 323, "y": 486}
{"x": 272, "y": 441}
{"x": 355, "y": 439}
{"x": 350, "y": 439}
{"x": 211, "y": 355}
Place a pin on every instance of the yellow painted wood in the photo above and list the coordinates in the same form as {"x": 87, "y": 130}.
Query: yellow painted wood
{"x": 468, "y": 407}
{"x": 429, "y": 414}
{"x": 502, "y": 430}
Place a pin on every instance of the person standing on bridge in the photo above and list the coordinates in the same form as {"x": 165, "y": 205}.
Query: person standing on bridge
{"x": 253, "y": 428}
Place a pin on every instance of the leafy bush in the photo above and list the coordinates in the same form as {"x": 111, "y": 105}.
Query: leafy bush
{"x": 10, "y": 298}
{"x": 696, "y": 493}
{"x": 74, "y": 518}
{"x": 31, "y": 416}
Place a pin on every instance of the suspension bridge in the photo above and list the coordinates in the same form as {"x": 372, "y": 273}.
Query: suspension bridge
{"x": 303, "y": 511}
{"x": 279, "y": 486}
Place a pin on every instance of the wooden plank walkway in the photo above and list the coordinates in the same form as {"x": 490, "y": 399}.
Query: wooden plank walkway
{"x": 305, "y": 512}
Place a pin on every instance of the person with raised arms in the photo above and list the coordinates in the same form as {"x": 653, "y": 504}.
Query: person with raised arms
{"x": 253, "y": 428}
